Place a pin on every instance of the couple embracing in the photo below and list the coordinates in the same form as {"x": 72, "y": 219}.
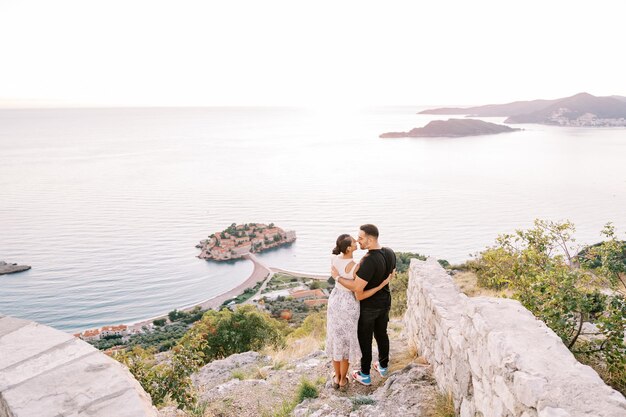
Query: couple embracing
{"x": 358, "y": 306}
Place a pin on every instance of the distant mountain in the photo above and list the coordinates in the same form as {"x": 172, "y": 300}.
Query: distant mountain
{"x": 579, "y": 110}
{"x": 570, "y": 109}
{"x": 452, "y": 128}
{"x": 494, "y": 110}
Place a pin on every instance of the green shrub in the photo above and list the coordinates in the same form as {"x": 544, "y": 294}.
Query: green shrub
{"x": 361, "y": 400}
{"x": 306, "y": 389}
{"x": 220, "y": 334}
{"x": 398, "y": 286}
{"x": 313, "y": 325}
{"x": 544, "y": 273}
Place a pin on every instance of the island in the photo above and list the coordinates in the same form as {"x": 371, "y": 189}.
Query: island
{"x": 452, "y": 128}
{"x": 236, "y": 241}
{"x": 6, "y": 268}
{"x": 581, "y": 109}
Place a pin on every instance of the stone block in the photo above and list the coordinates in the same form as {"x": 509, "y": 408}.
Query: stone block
{"x": 505, "y": 394}
{"x": 48, "y": 373}
{"x": 528, "y": 389}
{"x": 474, "y": 362}
{"x": 467, "y": 408}
{"x": 44, "y": 361}
{"x": 10, "y": 324}
{"x": 495, "y": 408}
{"x": 553, "y": 412}
{"x": 27, "y": 341}
{"x": 79, "y": 385}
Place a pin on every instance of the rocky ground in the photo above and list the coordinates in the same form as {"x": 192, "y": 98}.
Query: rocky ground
{"x": 252, "y": 384}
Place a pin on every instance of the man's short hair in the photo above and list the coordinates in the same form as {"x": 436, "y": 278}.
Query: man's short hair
{"x": 370, "y": 230}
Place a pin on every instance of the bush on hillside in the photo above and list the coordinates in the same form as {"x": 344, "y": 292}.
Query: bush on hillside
{"x": 540, "y": 266}
{"x": 215, "y": 336}
{"x": 220, "y": 334}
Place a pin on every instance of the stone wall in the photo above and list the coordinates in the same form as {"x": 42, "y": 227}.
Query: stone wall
{"x": 45, "y": 372}
{"x": 495, "y": 357}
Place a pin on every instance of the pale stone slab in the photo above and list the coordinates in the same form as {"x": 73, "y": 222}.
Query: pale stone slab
{"x": 45, "y": 361}
{"x": 66, "y": 390}
{"x": 10, "y": 324}
{"x": 48, "y": 373}
{"x": 28, "y": 341}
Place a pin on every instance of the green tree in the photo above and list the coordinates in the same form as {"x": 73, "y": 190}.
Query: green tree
{"x": 564, "y": 290}
{"x": 227, "y": 332}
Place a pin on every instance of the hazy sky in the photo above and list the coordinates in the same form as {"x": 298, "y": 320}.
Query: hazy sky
{"x": 318, "y": 53}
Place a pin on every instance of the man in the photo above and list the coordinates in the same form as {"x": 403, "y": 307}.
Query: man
{"x": 374, "y": 268}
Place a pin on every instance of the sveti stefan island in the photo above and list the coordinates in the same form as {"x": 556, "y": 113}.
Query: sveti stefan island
{"x": 239, "y": 240}
{"x": 312, "y": 209}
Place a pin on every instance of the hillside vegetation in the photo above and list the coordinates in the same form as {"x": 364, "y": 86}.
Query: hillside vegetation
{"x": 578, "y": 293}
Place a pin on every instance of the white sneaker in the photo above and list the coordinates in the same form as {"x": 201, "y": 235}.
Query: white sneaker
{"x": 361, "y": 378}
{"x": 382, "y": 371}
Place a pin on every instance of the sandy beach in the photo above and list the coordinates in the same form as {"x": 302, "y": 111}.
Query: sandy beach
{"x": 259, "y": 273}
{"x": 302, "y": 274}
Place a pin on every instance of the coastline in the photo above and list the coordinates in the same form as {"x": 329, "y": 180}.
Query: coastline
{"x": 259, "y": 273}
{"x": 301, "y": 274}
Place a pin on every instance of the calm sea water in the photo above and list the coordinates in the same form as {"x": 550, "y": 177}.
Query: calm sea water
{"x": 107, "y": 205}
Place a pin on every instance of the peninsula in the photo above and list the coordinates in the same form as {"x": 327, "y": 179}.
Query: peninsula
{"x": 238, "y": 240}
{"x": 579, "y": 110}
{"x": 452, "y": 128}
{"x": 6, "y": 268}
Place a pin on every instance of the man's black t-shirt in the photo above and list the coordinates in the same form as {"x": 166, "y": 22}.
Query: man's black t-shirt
{"x": 375, "y": 268}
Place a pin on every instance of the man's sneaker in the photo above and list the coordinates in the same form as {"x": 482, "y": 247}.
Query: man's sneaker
{"x": 361, "y": 378}
{"x": 382, "y": 371}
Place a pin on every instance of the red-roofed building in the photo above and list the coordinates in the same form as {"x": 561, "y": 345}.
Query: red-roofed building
{"x": 318, "y": 302}
{"x": 120, "y": 330}
{"x": 308, "y": 294}
{"x": 93, "y": 334}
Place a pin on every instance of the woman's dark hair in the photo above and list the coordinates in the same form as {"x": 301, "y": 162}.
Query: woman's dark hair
{"x": 343, "y": 243}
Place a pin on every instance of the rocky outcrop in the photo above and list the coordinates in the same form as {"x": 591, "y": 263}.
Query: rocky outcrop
{"x": 251, "y": 384}
{"x": 221, "y": 371}
{"x": 6, "y": 268}
{"x": 408, "y": 392}
{"x": 48, "y": 373}
{"x": 495, "y": 357}
{"x": 452, "y": 128}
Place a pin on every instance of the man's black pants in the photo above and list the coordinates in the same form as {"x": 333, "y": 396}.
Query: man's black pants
{"x": 373, "y": 321}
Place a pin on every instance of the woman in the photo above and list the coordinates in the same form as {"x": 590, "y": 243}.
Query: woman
{"x": 342, "y": 343}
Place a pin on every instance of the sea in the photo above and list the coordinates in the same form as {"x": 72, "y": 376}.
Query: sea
{"x": 108, "y": 204}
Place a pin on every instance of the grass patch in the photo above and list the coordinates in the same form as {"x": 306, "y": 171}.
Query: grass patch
{"x": 444, "y": 405}
{"x": 238, "y": 375}
{"x": 467, "y": 282}
{"x": 361, "y": 400}
{"x": 306, "y": 389}
{"x": 245, "y": 296}
{"x": 283, "y": 410}
{"x": 197, "y": 410}
{"x": 281, "y": 281}
{"x": 402, "y": 359}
